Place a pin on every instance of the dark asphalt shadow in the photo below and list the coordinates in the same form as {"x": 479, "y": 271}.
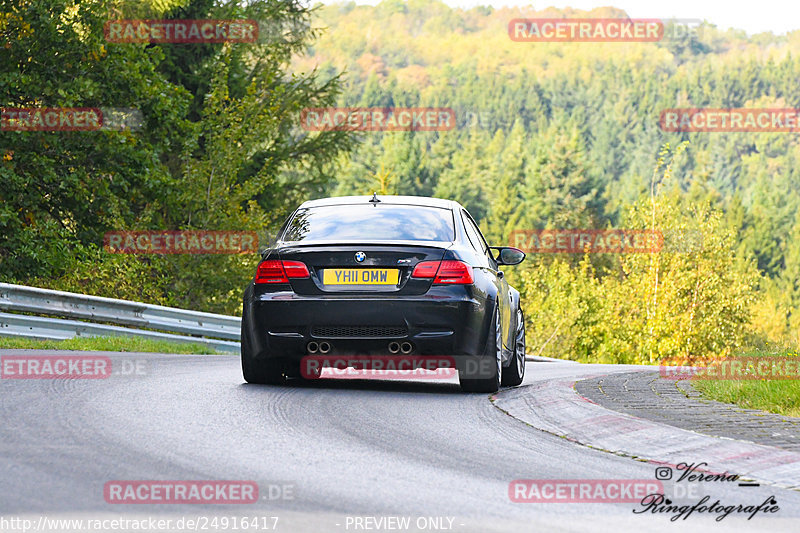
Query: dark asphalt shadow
{"x": 361, "y": 384}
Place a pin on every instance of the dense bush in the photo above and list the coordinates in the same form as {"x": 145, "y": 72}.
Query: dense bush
{"x": 690, "y": 301}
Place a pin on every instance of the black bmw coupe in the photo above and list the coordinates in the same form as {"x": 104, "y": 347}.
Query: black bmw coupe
{"x": 384, "y": 276}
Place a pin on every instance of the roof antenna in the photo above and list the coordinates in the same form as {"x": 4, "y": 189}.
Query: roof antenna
{"x": 374, "y": 200}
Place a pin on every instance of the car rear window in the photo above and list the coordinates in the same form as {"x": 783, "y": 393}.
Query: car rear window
{"x": 368, "y": 222}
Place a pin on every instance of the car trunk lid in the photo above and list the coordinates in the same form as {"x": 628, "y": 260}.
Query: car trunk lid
{"x": 357, "y": 268}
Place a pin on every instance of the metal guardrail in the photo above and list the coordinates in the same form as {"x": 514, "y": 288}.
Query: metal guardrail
{"x": 194, "y": 324}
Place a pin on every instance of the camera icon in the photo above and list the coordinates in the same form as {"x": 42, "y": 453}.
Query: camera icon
{"x": 663, "y": 473}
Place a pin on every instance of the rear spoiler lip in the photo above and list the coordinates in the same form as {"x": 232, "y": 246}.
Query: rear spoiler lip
{"x": 291, "y": 246}
{"x": 287, "y": 245}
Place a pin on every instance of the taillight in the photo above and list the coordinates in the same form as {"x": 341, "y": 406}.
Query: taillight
{"x": 296, "y": 269}
{"x": 425, "y": 269}
{"x": 277, "y": 271}
{"x": 271, "y": 271}
{"x": 444, "y": 272}
{"x": 454, "y": 272}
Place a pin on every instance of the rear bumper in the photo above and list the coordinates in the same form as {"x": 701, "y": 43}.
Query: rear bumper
{"x": 448, "y": 320}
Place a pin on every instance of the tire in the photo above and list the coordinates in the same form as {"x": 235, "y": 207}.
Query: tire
{"x": 266, "y": 372}
{"x": 515, "y": 372}
{"x": 493, "y": 351}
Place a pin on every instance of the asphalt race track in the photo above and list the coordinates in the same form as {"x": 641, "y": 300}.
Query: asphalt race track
{"x": 344, "y": 455}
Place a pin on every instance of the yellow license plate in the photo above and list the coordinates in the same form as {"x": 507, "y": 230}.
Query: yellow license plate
{"x": 360, "y": 276}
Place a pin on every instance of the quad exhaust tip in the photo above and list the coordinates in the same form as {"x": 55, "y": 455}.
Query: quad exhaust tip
{"x": 406, "y": 347}
{"x": 324, "y": 347}
{"x": 394, "y": 347}
{"x": 312, "y": 347}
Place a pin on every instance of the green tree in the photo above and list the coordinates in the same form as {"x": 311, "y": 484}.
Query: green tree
{"x": 62, "y": 189}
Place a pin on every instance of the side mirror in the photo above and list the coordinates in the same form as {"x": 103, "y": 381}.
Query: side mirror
{"x": 509, "y": 256}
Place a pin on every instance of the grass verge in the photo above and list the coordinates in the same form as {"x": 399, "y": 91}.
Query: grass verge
{"x": 108, "y": 344}
{"x": 780, "y": 396}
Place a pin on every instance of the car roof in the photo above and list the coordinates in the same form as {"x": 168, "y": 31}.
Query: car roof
{"x": 385, "y": 199}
